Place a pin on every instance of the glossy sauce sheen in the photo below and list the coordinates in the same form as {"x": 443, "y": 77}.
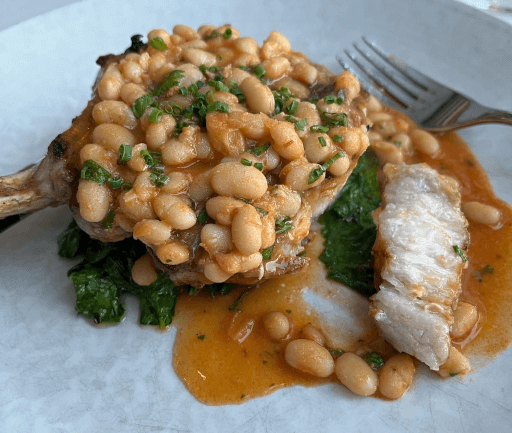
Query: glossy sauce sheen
{"x": 225, "y": 356}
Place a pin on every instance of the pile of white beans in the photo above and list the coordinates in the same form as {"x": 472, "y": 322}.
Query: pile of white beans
{"x": 203, "y": 166}
{"x": 309, "y": 354}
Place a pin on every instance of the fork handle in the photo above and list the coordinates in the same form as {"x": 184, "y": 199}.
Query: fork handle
{"x": 465, "y": 113}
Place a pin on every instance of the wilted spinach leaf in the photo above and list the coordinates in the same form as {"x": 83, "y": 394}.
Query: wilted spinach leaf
{"x": 349, "y": 230}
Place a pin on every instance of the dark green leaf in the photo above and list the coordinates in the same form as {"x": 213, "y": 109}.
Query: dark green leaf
{"x": 267, "y": 252}
{"x": 374, "y": 360}
{"x": 115, "y": 182}
{"x": 203, "y": 216}
{"x": 349, "y": 231}
{"x": 108, "y": 220}
{"x": 227, "y": 33}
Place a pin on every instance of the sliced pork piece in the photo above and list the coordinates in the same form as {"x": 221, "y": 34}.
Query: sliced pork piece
{"x": 418, "y": 270}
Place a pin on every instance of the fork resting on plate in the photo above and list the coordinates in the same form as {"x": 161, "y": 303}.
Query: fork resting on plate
{"x": 428, "y": 103}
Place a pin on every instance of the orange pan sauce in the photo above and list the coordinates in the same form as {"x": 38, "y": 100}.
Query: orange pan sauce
{"x": 224, "y": 356}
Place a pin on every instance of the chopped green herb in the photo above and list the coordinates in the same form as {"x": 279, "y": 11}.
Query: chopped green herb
{"x": 227, "y": 33}
{"x": 454, "y": 374}
{"x": 155, "y": 115}
{"x": 201, "y": 337}
{"x": 292, "y": 107}
{"x": 219, "y": 57}
{"x": 289, "y": 311}
{"x": 246, "y": 162}
{"x": 330, "y": 99}
{"x": 183, "y": 91}
{"x": 335, "y": 352}
{"x": 94, "y": 172}
{"x": 126, "y": 186}
{"x": 213, "y": 34}
{"x": 348, "y": 222}
{"x": 158, "y": 43}
{"x": 301, "y": 124}
{"x": 258, "y": 165}
{"x": 373, "y": 360}
{"x": 192, "y": 290}
{"x": 257, "y": 151}
{"x": 125, "y": 153}
{"x": 319, "y": 128}
{"x": 337, "y": 138}
{"x": 488, "y": 269}
{"x": 115, "y": 182}
{"x": 217, "y": 106}
{"x": 302, "y": 254}
{"x": 108, "y": 220}
{"x": 322, "y": 141}
{"x": 460, "y": 253}
{"x": 315, "y": 174}
{"x": 203, "y": 216}
{"x": 244, "y": 68}
{"x": 261, "y": 211}
{"x": 218, "y": 85}
{"x": 267, "y": 252}
{"x": 148, "y": 100}
{"x": 146, "y": 156}
{"x": 283, "y": 225}
{"x": 313, "y": 100}
{"x": 235, "y": 90}
{"x": 397, "y": 143}
{"x": 158, "y": 180}
{"x": 234, "y": 305}
{"x": 333, "y": 119}
{"x": 203, "y": 69}
{"x": 215, "y": 69}
{"x": 222, "y": 288}
{"x": 259, "y": 71}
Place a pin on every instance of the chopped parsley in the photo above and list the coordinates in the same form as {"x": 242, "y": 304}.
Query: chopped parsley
{"x": 108, "y": 221}
{"x": 234, "y": 305}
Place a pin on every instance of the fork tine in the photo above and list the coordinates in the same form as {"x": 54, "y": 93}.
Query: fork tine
{"x": 370, "y": 85}
{"x": 391, "y": 75}
{"x": 413, "y": 75}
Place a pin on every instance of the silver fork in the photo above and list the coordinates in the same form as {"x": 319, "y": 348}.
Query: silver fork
{"x": 428, "y": 103}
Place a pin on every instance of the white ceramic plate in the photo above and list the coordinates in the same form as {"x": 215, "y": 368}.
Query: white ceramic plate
{"x": 59, "y": 374}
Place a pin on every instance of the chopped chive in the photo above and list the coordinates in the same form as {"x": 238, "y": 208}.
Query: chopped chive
{"x": 115, "y": 182}
{"x": 217, "y": 106}
{"x": 397, "y": 143}
{"x": 201, "y": 337}
{"x": 246, "y": 162}
{"x": 322, "y": 141}
{"x": 454, "y": 374}
{"x": 319, "y": 128}
{"x": 235, "y": 304}
{"x": 315, "y": 174}
{"x": 126, "y": 186}
{"x": 338, "y": 138}
{"x": 155, "y": 115}
{"x": 488, "y": 269}
{"x": 158, "y": 43}
{"x": 301, "y": 124}
{"x": 289, "y": 311}
{"x": 94, "y": 172}
{"x": 259, "y": 71}
{"x": 330, "y": 99}
{"x": 283, "y": 225}
{"x": 218, "y": 85}
{"x": 125, "y": 153}
{"x": 460, "y": 253}
{"x": 292, "y": 108}
{"x": 213, "y": 34}
{"x": 261, "y": 211}
{"x": 257, "y": 151}
{"x": 202, "y": 68}
{"x": 258, "y": 165}
{"x": 335, "y": 352}
{"x": 227, "y": 33}
{"x": 146, "y": 156}
{"x": 183, "y": 91}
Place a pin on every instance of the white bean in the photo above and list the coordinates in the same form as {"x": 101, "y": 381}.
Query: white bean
{"x": 464, "y": 319}
{"x": 246, "y": 229}
{"x": 395, "y": 376}
{"x": 174, "y": 211}
{"x": 276, "y": 324}
{"x": 309, "y": 357}
{"x": 143, "y": 271}
{"x": 93, "y": 199}
{"x": 259, "y": 97}
{"x": 425, "y": 142}
{"x": 481, "y": 213}
{"x": 234, "y": 179}
{"x": 356, "y": 374}
{"x": 173, "y": 253}
{"x": 152, "y": 232}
